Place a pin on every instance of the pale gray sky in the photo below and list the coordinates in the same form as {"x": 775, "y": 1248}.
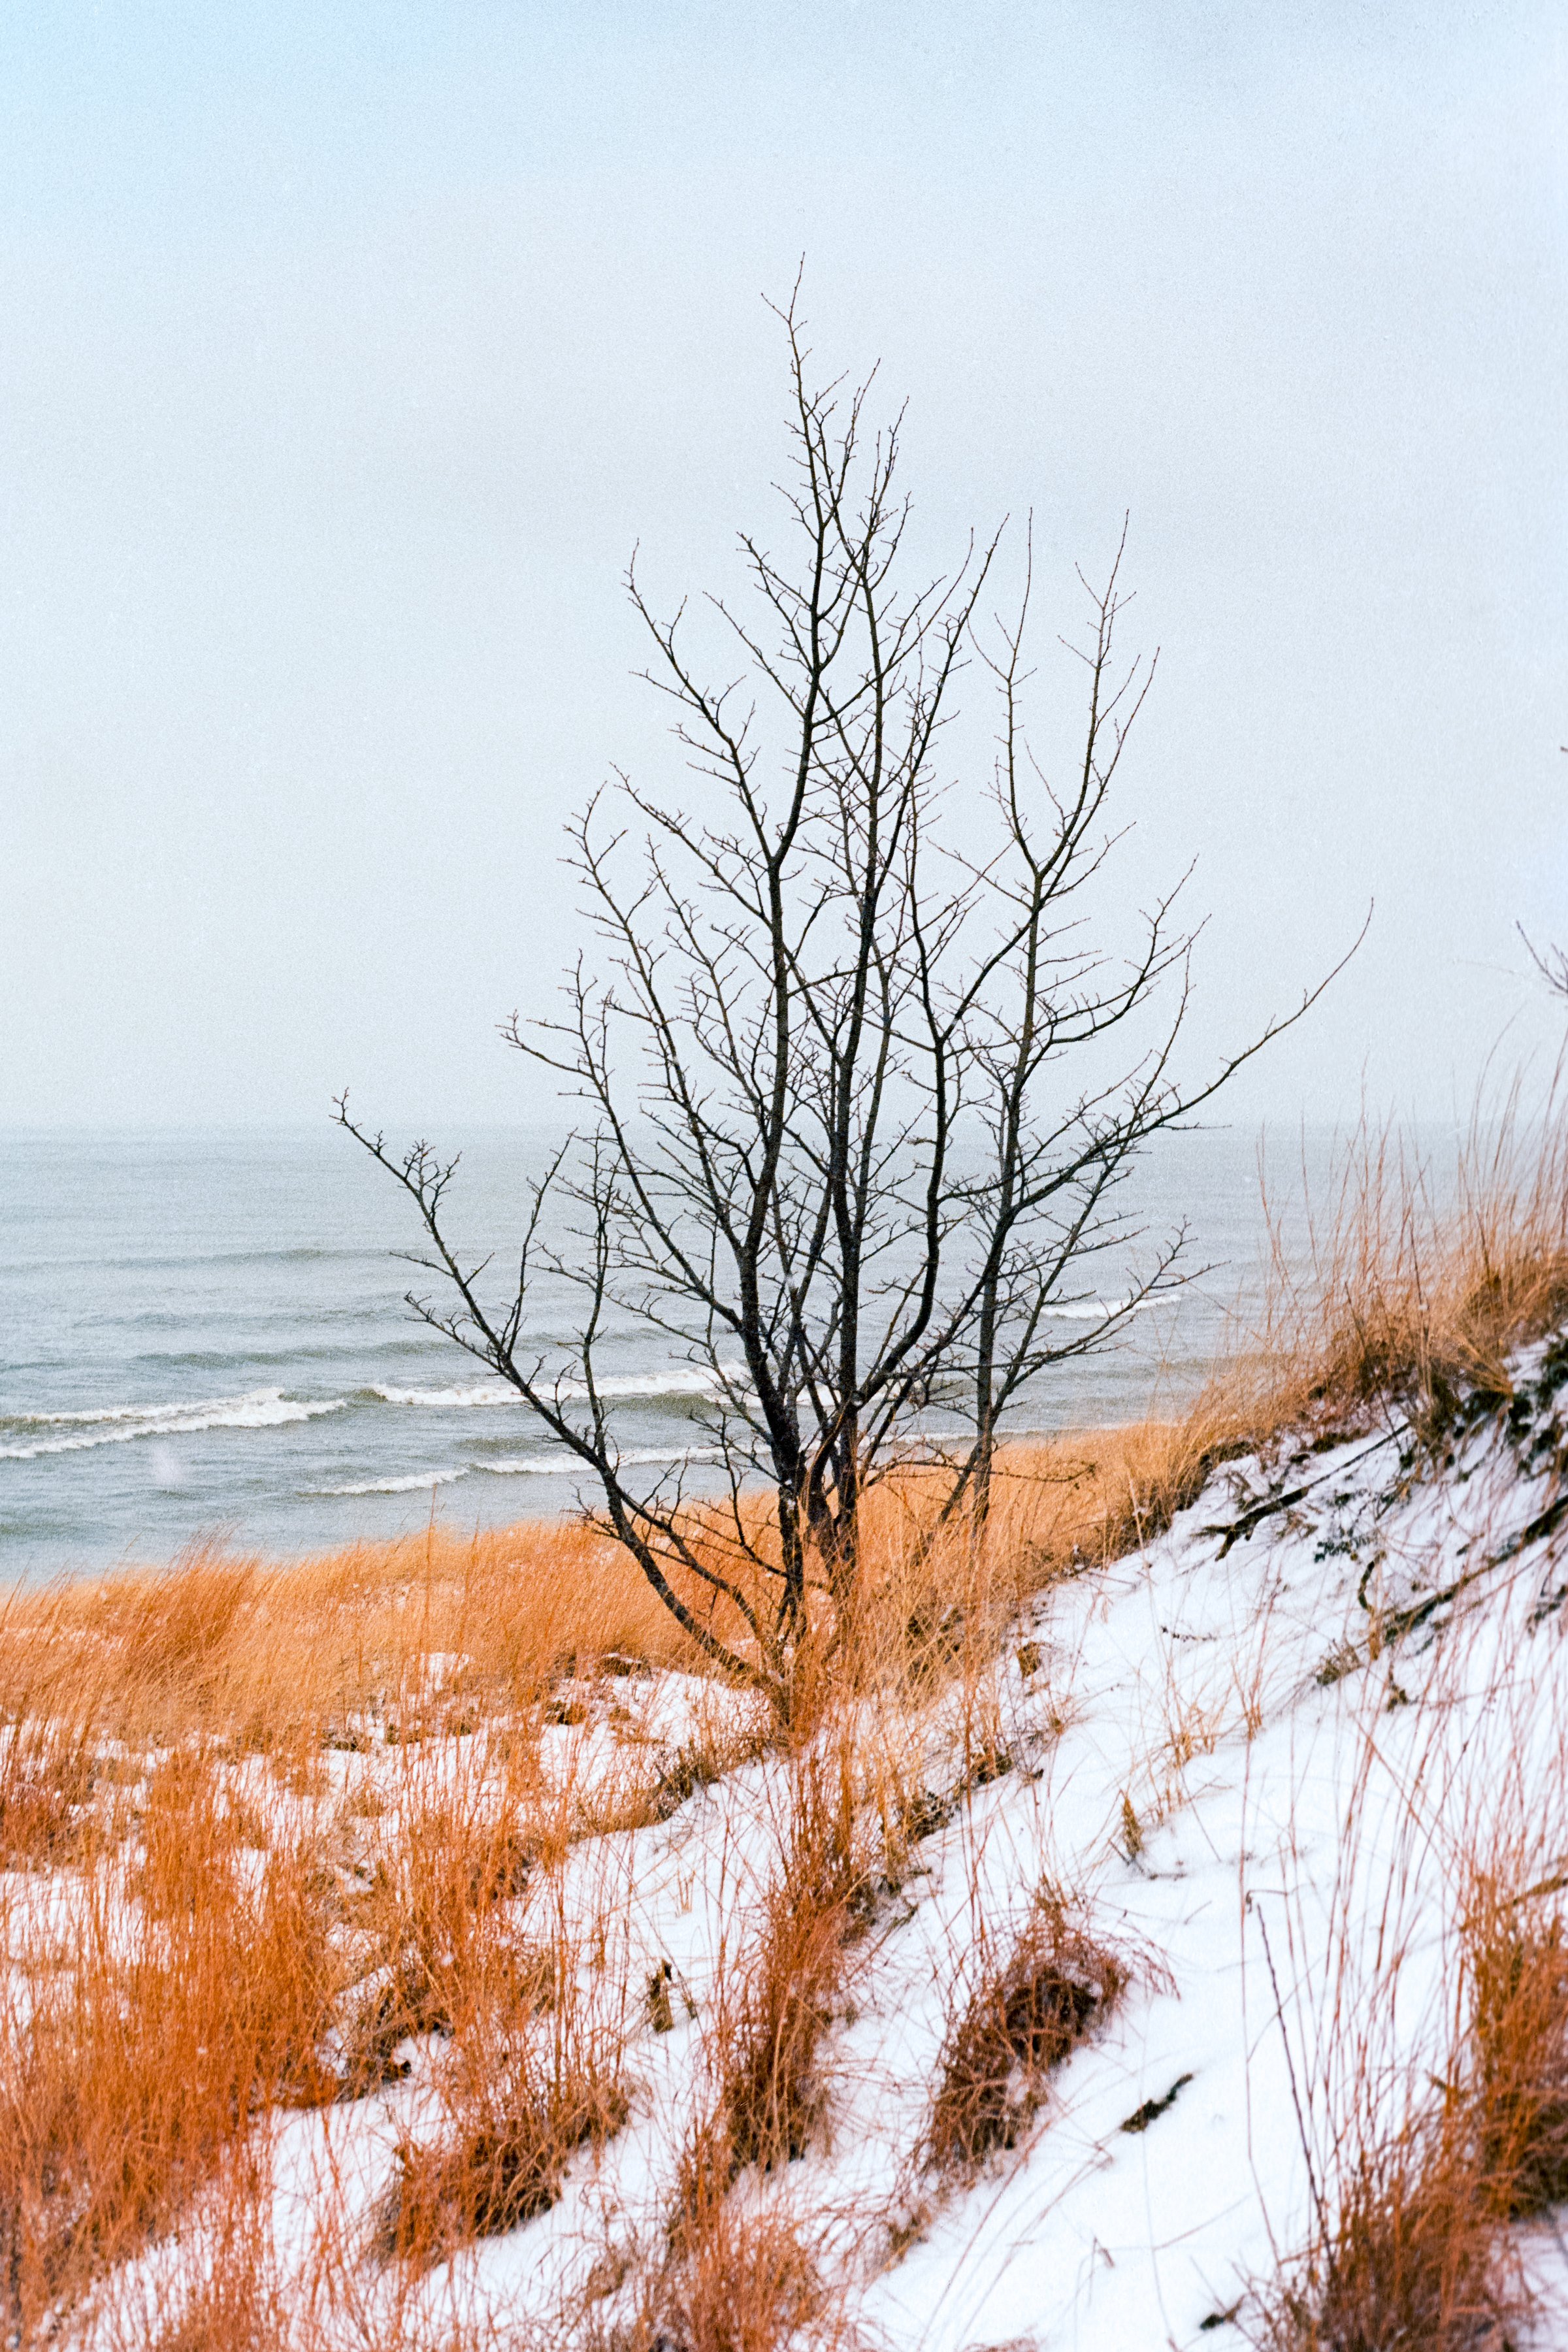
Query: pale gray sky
{"x": 348, "y": 350}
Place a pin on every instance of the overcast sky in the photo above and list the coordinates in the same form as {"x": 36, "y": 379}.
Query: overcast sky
{"x": 347, "y": 351}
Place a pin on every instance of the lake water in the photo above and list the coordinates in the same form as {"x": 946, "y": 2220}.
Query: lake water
{"x": 204, "y": 1335}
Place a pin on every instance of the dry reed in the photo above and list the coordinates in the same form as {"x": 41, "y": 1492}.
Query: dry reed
{"x": 235, "y": 1942}
{"x": 1412, "y": 2256}
{"x": 1417, "y": 1283}
{"x": 744, "y": 2281}
{"x": 776, "y": 2003}
{"x": 1517, "y": 2071}
{"x": 144, "y": 2029}
{"x": 1025, "y": 2009}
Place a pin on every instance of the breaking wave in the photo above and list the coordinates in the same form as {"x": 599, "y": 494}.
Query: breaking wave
{"x": 553, "y": 1464}
{"x": 558, "y": 1460}
{"x": 1092, "y": 1310}
{"x": 408, "y": 1485}
{"x": 116, "y": 1424}
{"x": 672, "y": 1381}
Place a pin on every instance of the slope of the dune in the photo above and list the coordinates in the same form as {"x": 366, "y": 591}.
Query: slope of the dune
{"x": 1260, "y": 1767}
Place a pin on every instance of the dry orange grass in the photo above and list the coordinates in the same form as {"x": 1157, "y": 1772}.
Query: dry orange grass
{"x": 1412, "y": 2255}
{"x": 740, "y": 2281}
{"x": 339, "y": 1651}
{"x": 770, "y": 2029}
{"x": 221, "y": 2291}
{"x": 133, "y": 2066}
{"x": 1408, "y": 1290}
{"x": 289, "y": 1815}
{"x": 50, "y": 1777}
{"x": 520, "y": 2098}
{"x": 1411, "y": 2242}
{"x": 206, "y": 1960}
{"x": 1430, "y": 2150}
{"x": 271, "y": 1656}
{"x": 160, "y": 2004}
{"x": 775, "y": 1997}
{"x": 143, "y": 2033}
{"x": 736, "y": 2275}
{"x": 1418, "y": 1284}
{"x": 1027, "y": 2009}
{"x": 441, "y": 1951}
{"x": 1517, "y": 1961}
{"x": 934, "y": 1607}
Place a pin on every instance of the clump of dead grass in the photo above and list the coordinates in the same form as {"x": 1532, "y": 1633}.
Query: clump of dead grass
{"x": 521, "y": 2094}
{"x": 736, "y": 2275}
{"x": 1028, "y": 2007}
{"x": 442, "y": 1946}
{"x": 49, "y": 1777}
{"x": 503, "y": 2168}
{"x": 1517, "y": 2060}
{"x": 778, "y": 2001}
{"x": 745, "y": 2281}
{"x": 1412, "y": 2254}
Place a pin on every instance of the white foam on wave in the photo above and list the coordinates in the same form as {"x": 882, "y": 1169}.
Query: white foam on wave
{"x": 674, "y": 1379}
{"x": 558, "y": 1462}
{"x": 1092, "y": 1310}
{"x": 484, "y": 1392}
{"x": 553, "y": 1464}
{"x": 148, "y": 1412}
{"x": 394, "y": 1485}
{"x": 118, "y": 1424}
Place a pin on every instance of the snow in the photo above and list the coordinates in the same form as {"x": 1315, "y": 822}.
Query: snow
{"x": 1320, "y": 1723}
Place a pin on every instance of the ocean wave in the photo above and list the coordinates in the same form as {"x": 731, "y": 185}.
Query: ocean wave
{"x": 1091, "y": 1310}
{"x": 671, "y": 1380}
{"x": 482, "y": 1392}
{"x": 161, "y": 1262}
{"x": 408, "y": 1485}
{"x": 558, "y": 1462}
{"x": 118, "y": 1424}
{"x": 134, "y": 1412}
{"x": 554, "y": 1462}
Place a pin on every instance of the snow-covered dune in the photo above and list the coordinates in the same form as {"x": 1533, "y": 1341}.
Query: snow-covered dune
{"x": 1265, "y": 1762}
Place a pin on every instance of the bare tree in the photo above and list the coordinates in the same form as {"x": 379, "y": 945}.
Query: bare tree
{"x": 834, "y": 1146}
